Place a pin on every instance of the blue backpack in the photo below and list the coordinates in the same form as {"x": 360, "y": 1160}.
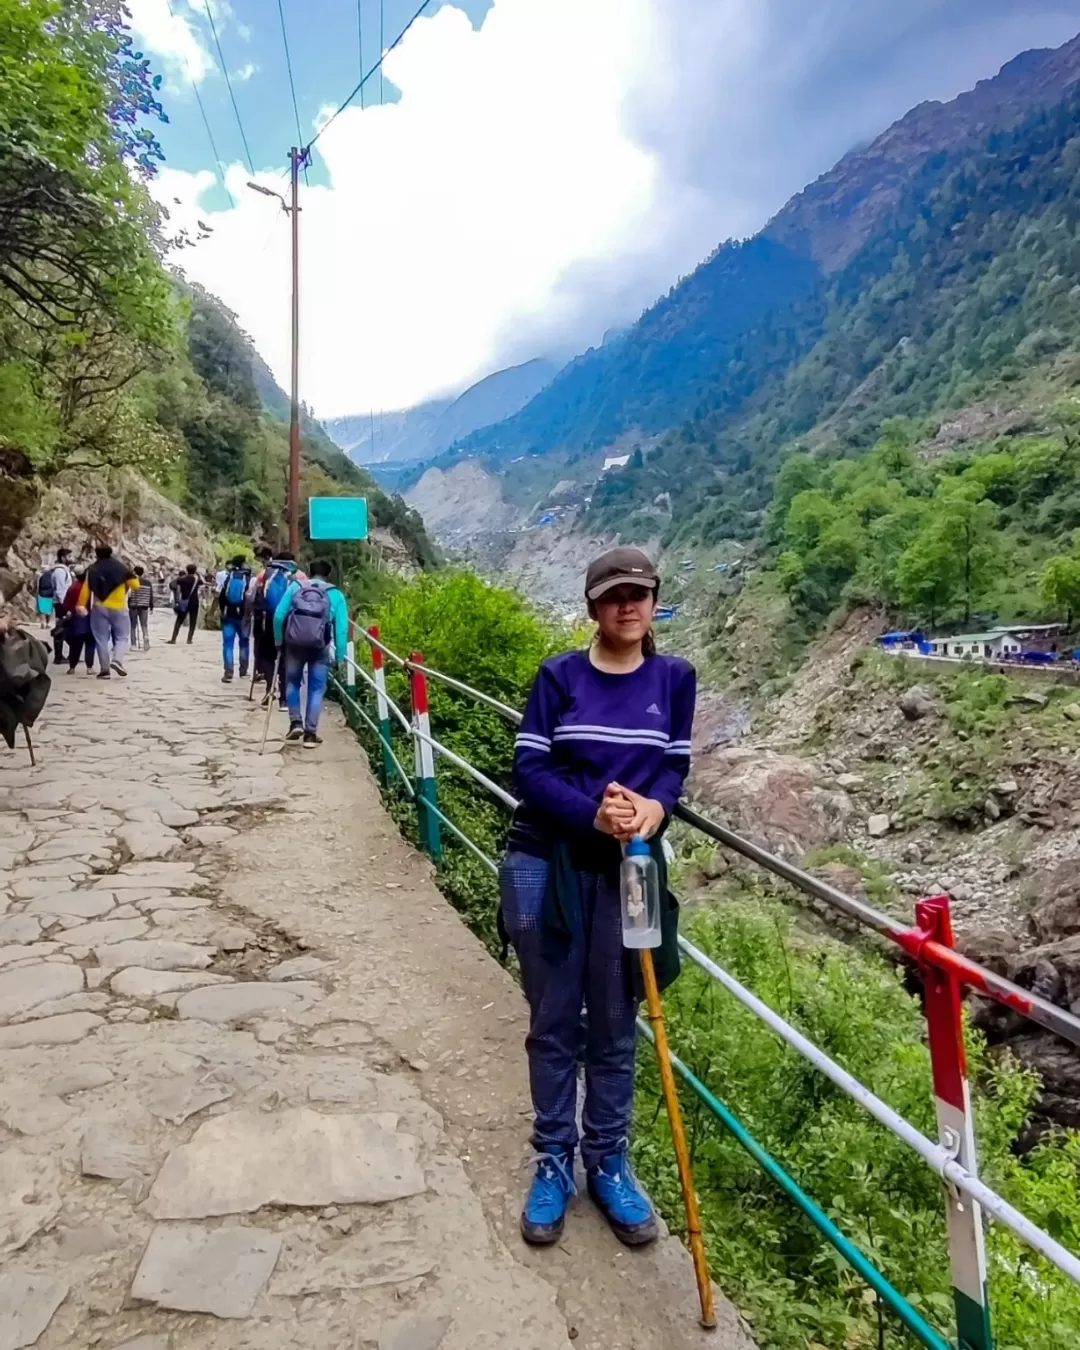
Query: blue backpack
{"x": 274, "y": 587}
{"x": 307, "y": 626}
{"x": 236, "y": 587}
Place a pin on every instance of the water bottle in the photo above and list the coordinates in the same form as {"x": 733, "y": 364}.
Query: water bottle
{"x": 639, "y": 885}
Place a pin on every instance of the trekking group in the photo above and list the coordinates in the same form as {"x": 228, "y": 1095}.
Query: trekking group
{"x": 285, "y": 627}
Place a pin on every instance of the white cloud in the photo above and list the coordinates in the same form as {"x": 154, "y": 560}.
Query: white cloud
{"x": 246, "y": 71}
{"x": 172, "y": 35}
{"x": 547, "y": 175}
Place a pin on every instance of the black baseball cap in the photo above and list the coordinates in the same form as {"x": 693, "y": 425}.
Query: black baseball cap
{"x": 620, "y": 567}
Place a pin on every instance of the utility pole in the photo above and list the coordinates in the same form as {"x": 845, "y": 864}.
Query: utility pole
{"x": 295, "y": 158}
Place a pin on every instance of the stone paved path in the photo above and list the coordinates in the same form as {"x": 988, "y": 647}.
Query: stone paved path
{"x": 258, "y": 1085}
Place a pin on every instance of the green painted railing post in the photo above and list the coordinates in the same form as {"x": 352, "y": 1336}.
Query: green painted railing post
{"x": 386, "y": 772}
{"x": 426, "y": 790}
{"x": 956, "y": 1131}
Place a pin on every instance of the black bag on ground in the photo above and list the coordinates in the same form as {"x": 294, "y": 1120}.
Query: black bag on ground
{"x": 24, "y": 682}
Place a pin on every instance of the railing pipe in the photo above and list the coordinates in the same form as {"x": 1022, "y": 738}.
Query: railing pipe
{"x": 379, "y": 675}
{"x": 892, "y": 1298}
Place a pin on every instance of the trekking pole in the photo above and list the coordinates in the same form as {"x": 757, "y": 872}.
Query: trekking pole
{"x": 269, "y": 710}
{"x": 29, "y": 746}
{"x": 678, "y": 1135}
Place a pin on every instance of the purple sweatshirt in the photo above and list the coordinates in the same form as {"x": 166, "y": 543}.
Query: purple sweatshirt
{"x": 583, "y": 729}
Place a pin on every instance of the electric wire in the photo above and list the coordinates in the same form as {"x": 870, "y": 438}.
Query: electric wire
{"x": 206, "y": 123}
{"x": 382, "y": 45}
{"x": 377, "y": 66}
{"x": 292, "y": 84}
{"x": 228, "y": 85}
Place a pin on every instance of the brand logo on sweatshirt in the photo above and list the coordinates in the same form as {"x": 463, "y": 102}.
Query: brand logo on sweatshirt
{"x": 654, "y": 710}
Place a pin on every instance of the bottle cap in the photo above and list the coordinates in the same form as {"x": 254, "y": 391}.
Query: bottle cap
{"x": 638, "y": 847}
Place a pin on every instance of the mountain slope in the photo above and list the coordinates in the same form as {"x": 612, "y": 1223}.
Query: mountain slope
{"x": 427, "y": 430}
{"x": 689, "y": 348}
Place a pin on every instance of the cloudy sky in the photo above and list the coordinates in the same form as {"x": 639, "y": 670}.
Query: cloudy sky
{"x": 532, "y": 172}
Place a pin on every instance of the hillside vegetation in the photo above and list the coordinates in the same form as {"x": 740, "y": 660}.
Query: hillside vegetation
{"x": 108, "y": 358}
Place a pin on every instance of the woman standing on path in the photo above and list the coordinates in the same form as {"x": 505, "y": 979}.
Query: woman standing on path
{"x": 602, "y": 754}
{"x": 185, "y": 589}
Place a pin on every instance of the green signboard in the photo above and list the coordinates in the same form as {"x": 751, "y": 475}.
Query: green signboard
{"x": 337, "y": 518}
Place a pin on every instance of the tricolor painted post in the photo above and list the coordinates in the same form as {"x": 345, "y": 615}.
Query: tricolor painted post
{"x": 350, "y": 666}
{"x": 386, "y": 773}
{"x": 956, "y": 1132}
{"x": 426, "y": 791}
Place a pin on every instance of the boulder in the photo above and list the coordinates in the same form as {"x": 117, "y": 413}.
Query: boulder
{"x": 917, "y": 703}
{"x": 878, "y": 826}
{"x": 774, "y": 799}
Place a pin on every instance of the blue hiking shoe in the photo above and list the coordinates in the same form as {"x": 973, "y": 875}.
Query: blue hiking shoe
{"x": 549, "y": 1195}
{"x": 625, "y": 1205}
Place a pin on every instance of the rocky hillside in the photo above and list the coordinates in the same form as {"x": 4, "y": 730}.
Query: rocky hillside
{"x": 896, "y": 781}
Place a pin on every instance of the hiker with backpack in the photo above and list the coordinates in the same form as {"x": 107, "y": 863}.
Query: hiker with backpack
{"x": 273, "y": 581}
{"x": 235, "y": 621}
{"x": 105, "y": 594}
{"x": 312, "y": 623}
{"x": 185, "y": 590}
{"x": 52, "y": 586}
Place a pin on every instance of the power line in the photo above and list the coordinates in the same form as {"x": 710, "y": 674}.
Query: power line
{"x": 292, "y": 85}
{"x": 206, "y": 124}
{"x": 377, "y": 66}
{"x": 382, "y": 44}
{"x": 228, "y": 83}
{"x": 213, "y": 146}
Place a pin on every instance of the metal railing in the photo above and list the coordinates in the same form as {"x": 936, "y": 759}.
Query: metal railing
{"x": 930, "y": 943}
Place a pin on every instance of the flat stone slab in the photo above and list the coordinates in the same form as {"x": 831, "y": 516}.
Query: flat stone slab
{"x": 238, "y": 1002}
{"x": 136, "y": 982}
{"x": 83, "y": 1078}
{"x": 110, "y": 1151}
{"x": 154, "y": 954}
{"x": 210, "y": 834}
{"x": 146, "y": 839}
{"x": 363, "y": 1260}
{"x": 145, "y": 1343}
{"x": 178, "y": 1098}
{"x": 194, "y": 1269}
{"x": 20, "y": 928}
{"x": 239, "y": 1162}
{"x": 79, "y": 904}
{"x": 27, "y": 1304}
{"x": 298, "y": 968}
{"x": 63, "y": 1030}
{"x": 427, "y": 1334}
{"x": 27, "y": 986}
{"x": 104, "y": 930}
{"x": 29, "y": 1198}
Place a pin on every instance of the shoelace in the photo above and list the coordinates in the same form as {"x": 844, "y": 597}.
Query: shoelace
{"x": 624, "y": 1180}
{"x": 556, "y": 1170}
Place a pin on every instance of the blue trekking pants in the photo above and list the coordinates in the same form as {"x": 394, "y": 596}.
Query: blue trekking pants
{"x": 318, "y": 674}
{"x": 231, "y": 629}
{"x": 595, "y": 973}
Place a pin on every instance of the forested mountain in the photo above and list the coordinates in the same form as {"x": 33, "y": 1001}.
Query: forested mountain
{"x": 107, "y": 358}
{"x": 687, "y": 355}
{"x": 427, "y": 430}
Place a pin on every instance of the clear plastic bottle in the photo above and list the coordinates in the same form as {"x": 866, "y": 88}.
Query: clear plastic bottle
{"x": 639, "y": 885}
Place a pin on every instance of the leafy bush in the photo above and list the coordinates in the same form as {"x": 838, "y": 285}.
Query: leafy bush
{"x": 796, "y": 1290}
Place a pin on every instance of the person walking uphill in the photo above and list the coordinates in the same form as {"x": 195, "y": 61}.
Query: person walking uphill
{"x": 105, "y": 594}
{"x": 140, "y": 607}
{"x": 77, "y": 632}
{"x": 232, "y": 598}
{"x": 312, "y": 621}
{"x": 185, "y": 589}
{"x": 601, "y": 756}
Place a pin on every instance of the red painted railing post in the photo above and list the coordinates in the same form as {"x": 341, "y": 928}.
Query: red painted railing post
{"x": 424, "y": 758}
{"x": 387, "y": 772}
{"x": 956, "y": 1132}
